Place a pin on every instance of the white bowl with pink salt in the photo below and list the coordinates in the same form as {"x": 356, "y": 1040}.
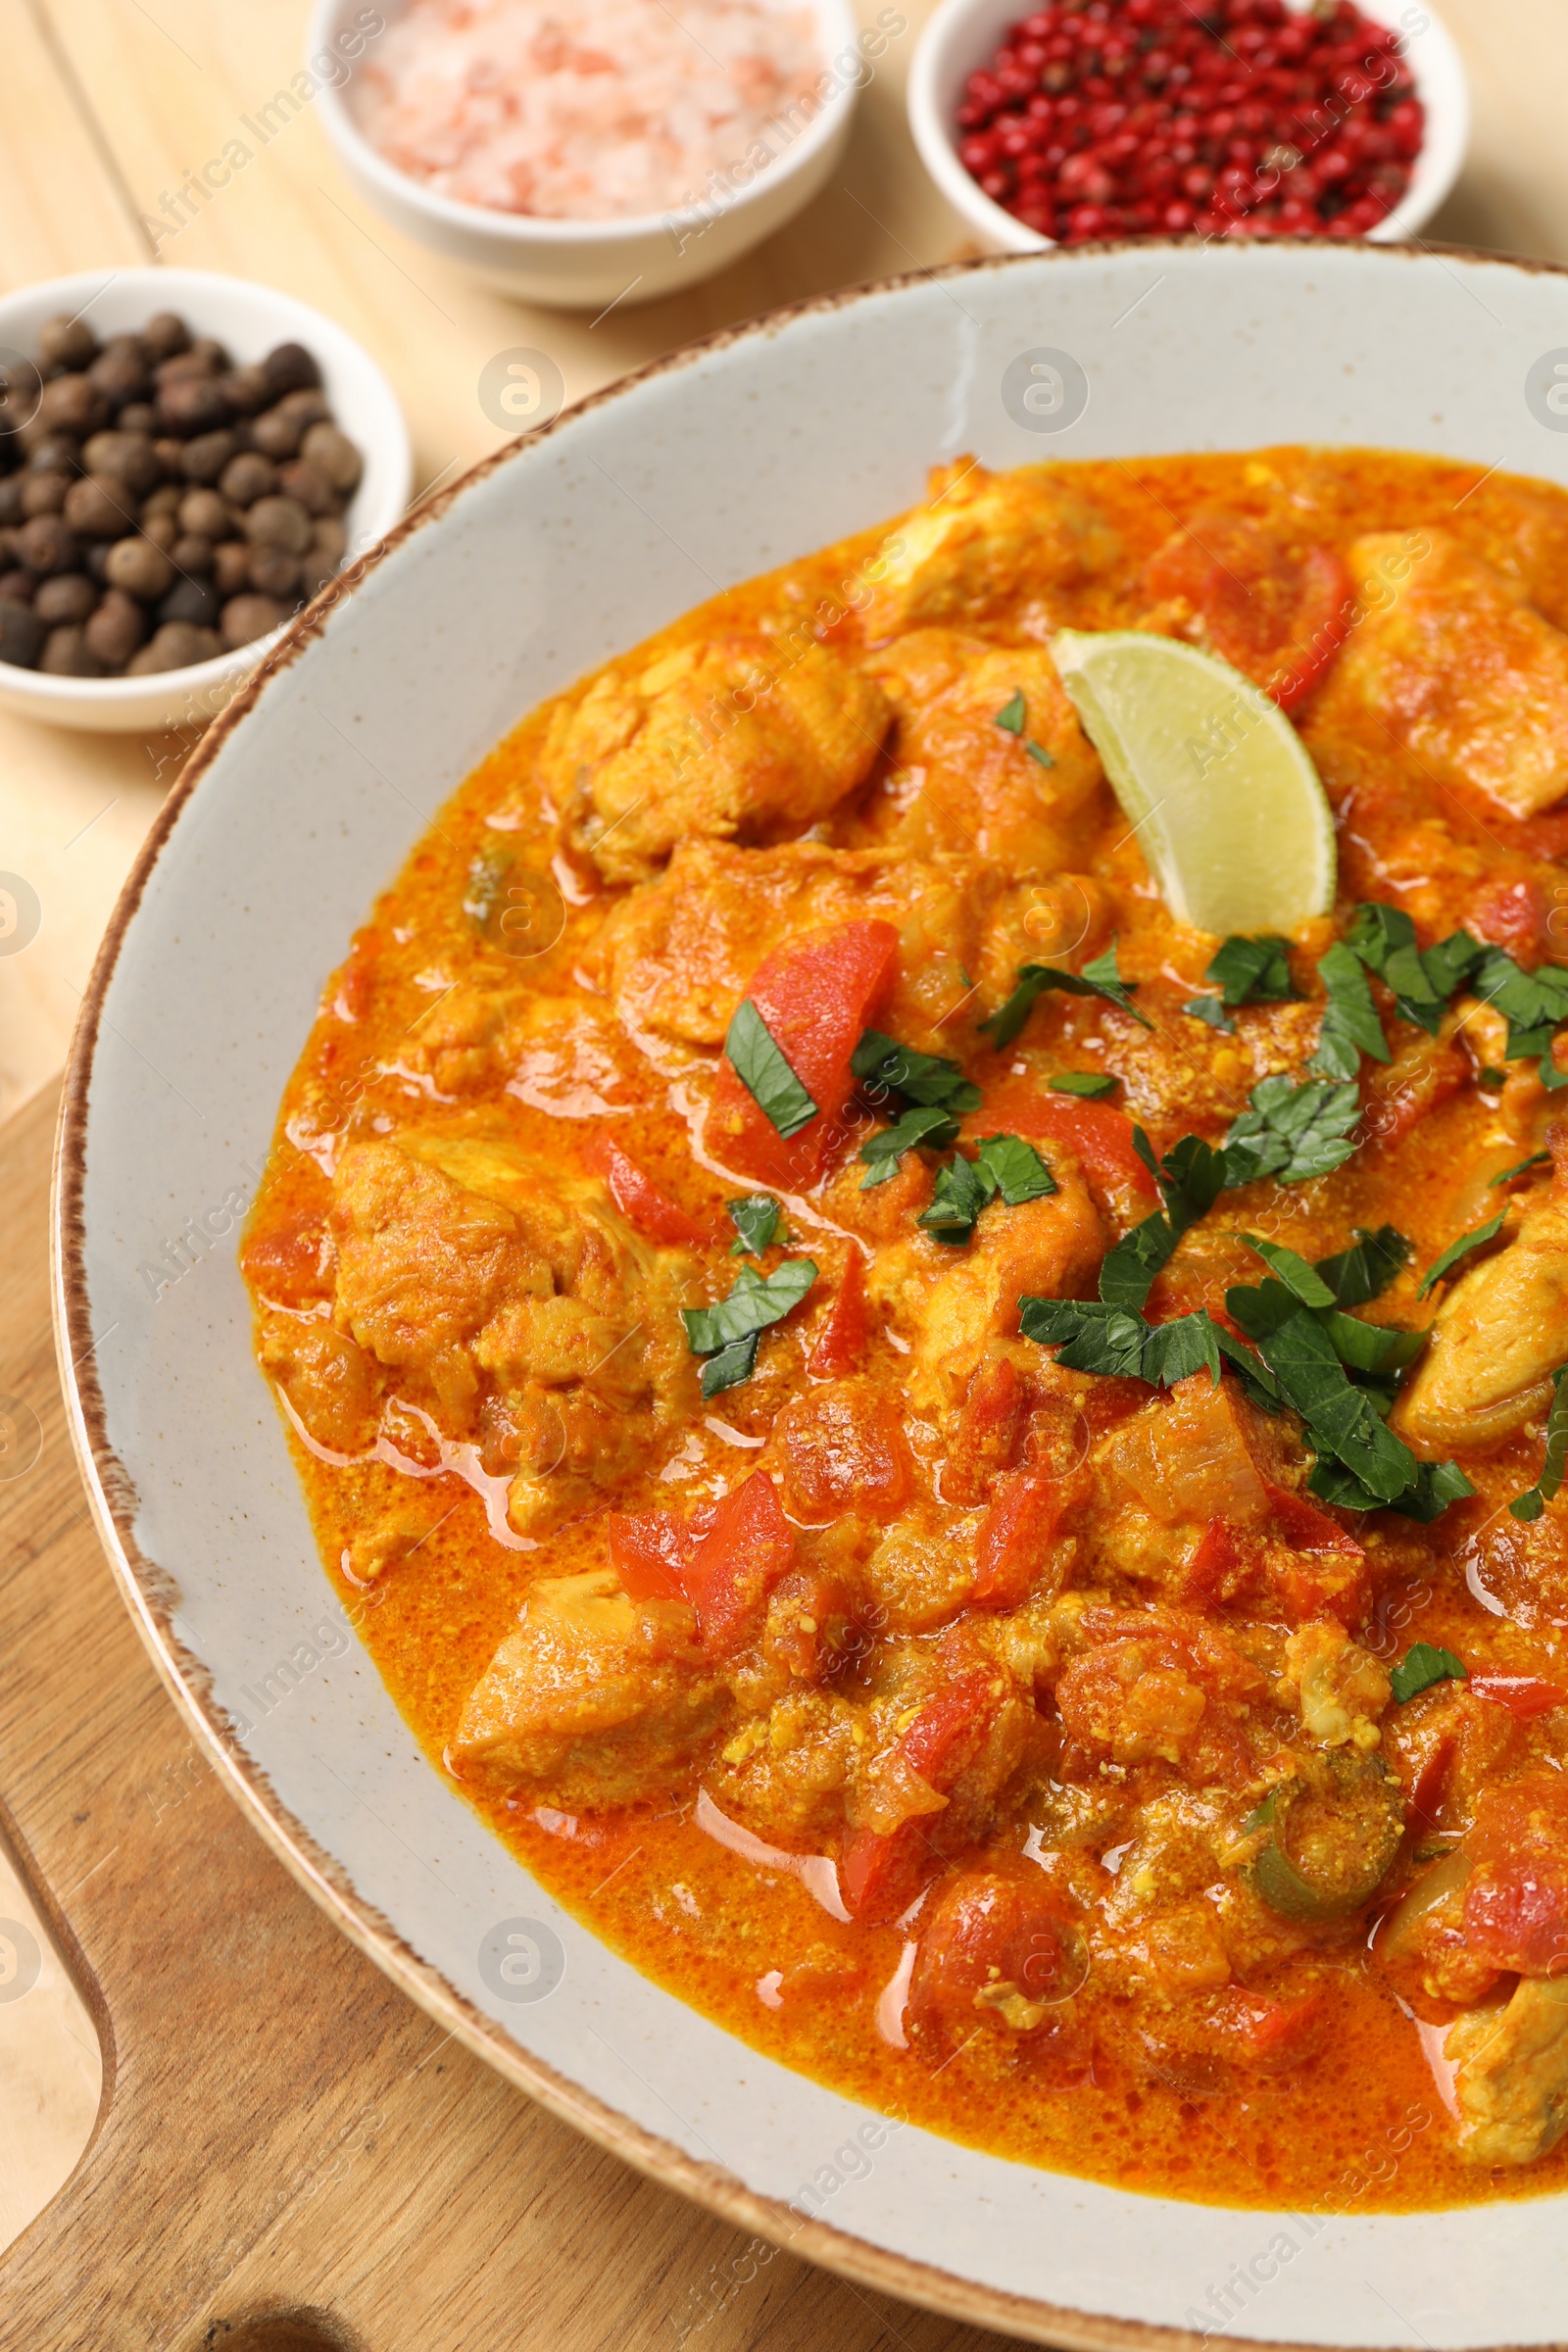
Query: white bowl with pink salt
{"x": 584, "y": 152}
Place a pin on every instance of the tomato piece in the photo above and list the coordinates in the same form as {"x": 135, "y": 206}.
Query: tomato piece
{"x": 1277, "y": 614}
{"x": 948, "y": 1729}
{"x": 995, "y": 1942}
{"x": 640, "y": 1201}
{"x": 1022, "y": 1522}
{"x": 736, "y": 1564}
{"x": 815, "y": 997}
{"x": 1099, "y": 1135}
{"x": 1304, "y": 1525}
{"x": 841, "y": 1341}
{"x": 1217, "y": 1564}
{"x": 880, "y": 1873}
{"x": 1525, "y": 1695}
{"x": 1266, "y": 2033}
{"x": 651, "y": 1552}
{"x": 1516, "y": 1899}
{"x": 348, "y": 990}
{"x": 284, "y": 1262}
{"x": 986, "y": 1436}
{"x": 724, "y": 1561}
{"x": 881, "y": 1870}
{"x": 843, "y": 1449}
{"x": 1512, "y": 914}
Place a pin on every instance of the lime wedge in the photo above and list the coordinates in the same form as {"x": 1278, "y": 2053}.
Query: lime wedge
{"x": 1228, "y": 809}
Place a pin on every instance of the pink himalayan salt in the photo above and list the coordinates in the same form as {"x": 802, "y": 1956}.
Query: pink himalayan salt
{"x": 583, "y": 110}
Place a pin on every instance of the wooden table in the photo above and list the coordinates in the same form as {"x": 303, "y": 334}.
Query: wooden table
{"x": 465, "y": 2217}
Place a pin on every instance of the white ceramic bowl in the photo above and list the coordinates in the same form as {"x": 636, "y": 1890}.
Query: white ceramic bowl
{"x": 725, "y": 460}
{"x": 250, "y": 320}
{"x": 961, "y": 34}
{"x": 583, "y": 265}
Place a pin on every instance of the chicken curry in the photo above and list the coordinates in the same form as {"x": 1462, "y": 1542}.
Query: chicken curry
{"x": 968, "y": 1473}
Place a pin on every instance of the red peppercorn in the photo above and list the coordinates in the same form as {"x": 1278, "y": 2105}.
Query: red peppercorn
{"x": 1147, "y": 117}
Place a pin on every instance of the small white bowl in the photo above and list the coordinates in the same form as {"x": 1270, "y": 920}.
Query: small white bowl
{"x": 962, "y": 35}
{"x": 581, "y": 265}
{"x": 249, "y": 320}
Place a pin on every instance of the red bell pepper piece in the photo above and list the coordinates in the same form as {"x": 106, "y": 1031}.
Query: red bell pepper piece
{"x": 639, "y": 1199}
{"x": 1099, "y": 1135}
{"x": 841, "y": 1341}
{"x": 815, "y": 997}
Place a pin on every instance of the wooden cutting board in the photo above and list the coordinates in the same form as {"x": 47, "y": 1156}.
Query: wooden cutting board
{"x": 289, "y": 2155}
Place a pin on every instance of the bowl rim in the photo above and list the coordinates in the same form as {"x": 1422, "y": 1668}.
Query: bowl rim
{"x": 1440, "y": 76}
{"x": 503, "y": 229}
{"x": 52, "y": 695}
{"x": 152, "y": 1600}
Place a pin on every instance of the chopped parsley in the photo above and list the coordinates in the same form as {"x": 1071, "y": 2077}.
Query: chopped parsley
{"x": 1212, "y": 1010}
{"x": 960, "y": 1196}
{"x": 881, "y": 1063}
{"x": 1099, "y": 978}
{"x": 1291, "y": 1131}
{"x": 1383, "y": 938}
{"x": 731, "y": 1366}
{"x": 1534, "y": 1501}
{"x": 1095, "y": 1336}
{"x": 1532, "y": 1003}
{"x": 1535, "y": 1159}
{"x": 1476, "y": 1239}
{"x": 1365, "y": 1270}
{"x": 935, "y": 1091}
{"x": 756, "y": 1219}
{"x": 1092, "y": 1085}
{"x": 923, "y": 1123}
{"x": 1014, "y": 1169}
{"x": 1421, "y": 1666}
{"x": 758, "y": 1061}
{"x": 1338, "y": 1374}
{"x": 1351, "y": 1023}
{"x": 1246, "y": 971}
{"x": 728, "y": 1331}
{"x": 1191, "y": 1177}
{"x": 1005, "y": 1164}
{"x": 1012, "y": 718}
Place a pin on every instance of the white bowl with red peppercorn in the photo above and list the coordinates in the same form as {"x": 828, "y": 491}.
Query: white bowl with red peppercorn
{"x": 1168, "y": 118}
{"x": 185, "y": 460}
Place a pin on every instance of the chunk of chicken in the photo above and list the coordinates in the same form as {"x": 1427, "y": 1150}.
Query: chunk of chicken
{"x": 961, "y": 781}
{"x": 1499, "y": 1335}
{"x": 679, "y": 952}
{"x": 602, "y": 1697}
{"x": 1459, "y": 668}
{"x": 325, "y": 1377}
{"x": 982, "y": 537}
{"x": 1511, "y": 2083}
{"x": 1340, "y": 1688}
{"x": 953, "y": 1301}
{"x": 731, "y": 737}
{"x": 461, "y": 1260}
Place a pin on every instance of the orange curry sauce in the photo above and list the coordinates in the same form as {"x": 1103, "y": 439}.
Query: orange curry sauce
{"x": 1035, "y": 1656}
